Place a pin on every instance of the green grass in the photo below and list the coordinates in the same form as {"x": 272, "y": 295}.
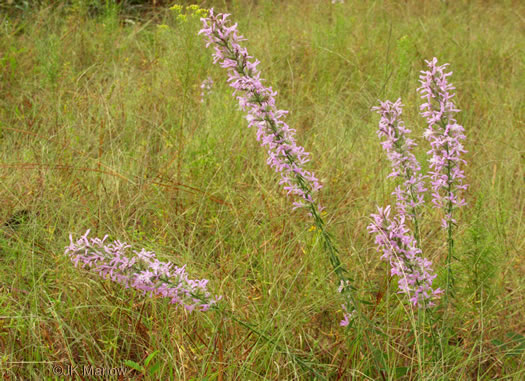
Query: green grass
{"x": 101, "y": 127}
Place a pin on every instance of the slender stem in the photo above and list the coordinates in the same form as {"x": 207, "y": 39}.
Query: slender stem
{"x": 327, "y": 239}
{"x": 328, "y": 244}
{"x": 450, "y": 225}
{"x": 450, "y": 240}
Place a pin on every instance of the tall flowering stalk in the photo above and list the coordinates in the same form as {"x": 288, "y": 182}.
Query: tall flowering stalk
{"x": 284, "y": 154}
{"x": 393, "y": 238}
{"x": 445, "y": 136}
{"x": 398, "y": 147}
{"x": 140, "y": 270}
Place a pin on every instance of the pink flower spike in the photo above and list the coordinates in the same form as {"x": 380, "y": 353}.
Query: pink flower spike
{"x": 142, "y": 271}
{"x": 399, "y": 247}
{"x": 445, "y": 136}
{"x": 404, "y": 164}
{"x": 285, "y": 156}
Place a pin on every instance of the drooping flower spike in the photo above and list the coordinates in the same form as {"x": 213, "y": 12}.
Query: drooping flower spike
{"x": 445, "y": 136}
{"x": 284, "y": 154}
{"x": 140, "y": 270}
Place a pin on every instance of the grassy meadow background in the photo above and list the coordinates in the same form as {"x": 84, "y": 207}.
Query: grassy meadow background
{"x": 102, "y": 128}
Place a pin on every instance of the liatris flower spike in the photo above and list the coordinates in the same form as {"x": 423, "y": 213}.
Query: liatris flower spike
{"x": 142, "y": 271}
{"x": 410, "y": 196}
{"x": 398, "y": 246}
{"x": 284, "y": 155}
{"x": 392, "y": 237}
{"x": 445, "y": 136}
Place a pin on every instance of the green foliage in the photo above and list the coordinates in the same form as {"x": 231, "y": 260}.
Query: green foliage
{"x": 482, "y": 258}
{"x": 149, "y": 369}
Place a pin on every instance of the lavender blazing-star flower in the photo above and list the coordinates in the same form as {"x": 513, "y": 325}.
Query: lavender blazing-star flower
{"x": 284, "y": 155}
{"x": 445, "y": 136}
{"x": 404, "y": 164}
{"x": 142, "y": 271}
{"x": 399, "y": 247}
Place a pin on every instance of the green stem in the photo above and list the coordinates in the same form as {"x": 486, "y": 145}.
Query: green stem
{"x": 450, "y": 240}
{"x": 351, "y": 301}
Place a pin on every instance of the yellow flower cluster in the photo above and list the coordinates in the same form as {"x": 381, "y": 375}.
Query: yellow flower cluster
{"x": 190, "y": 10}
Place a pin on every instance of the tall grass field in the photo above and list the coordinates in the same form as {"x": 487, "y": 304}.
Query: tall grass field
{"x": 230, "y": 240}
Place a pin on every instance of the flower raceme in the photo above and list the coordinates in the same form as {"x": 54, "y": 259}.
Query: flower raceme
{"x": 404, "y": 164}
{"x": 399, "y": 247}
{"x": 284, "y": 155}
{"x": 445, "y": 136}
{"x": 142, "y": 271}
